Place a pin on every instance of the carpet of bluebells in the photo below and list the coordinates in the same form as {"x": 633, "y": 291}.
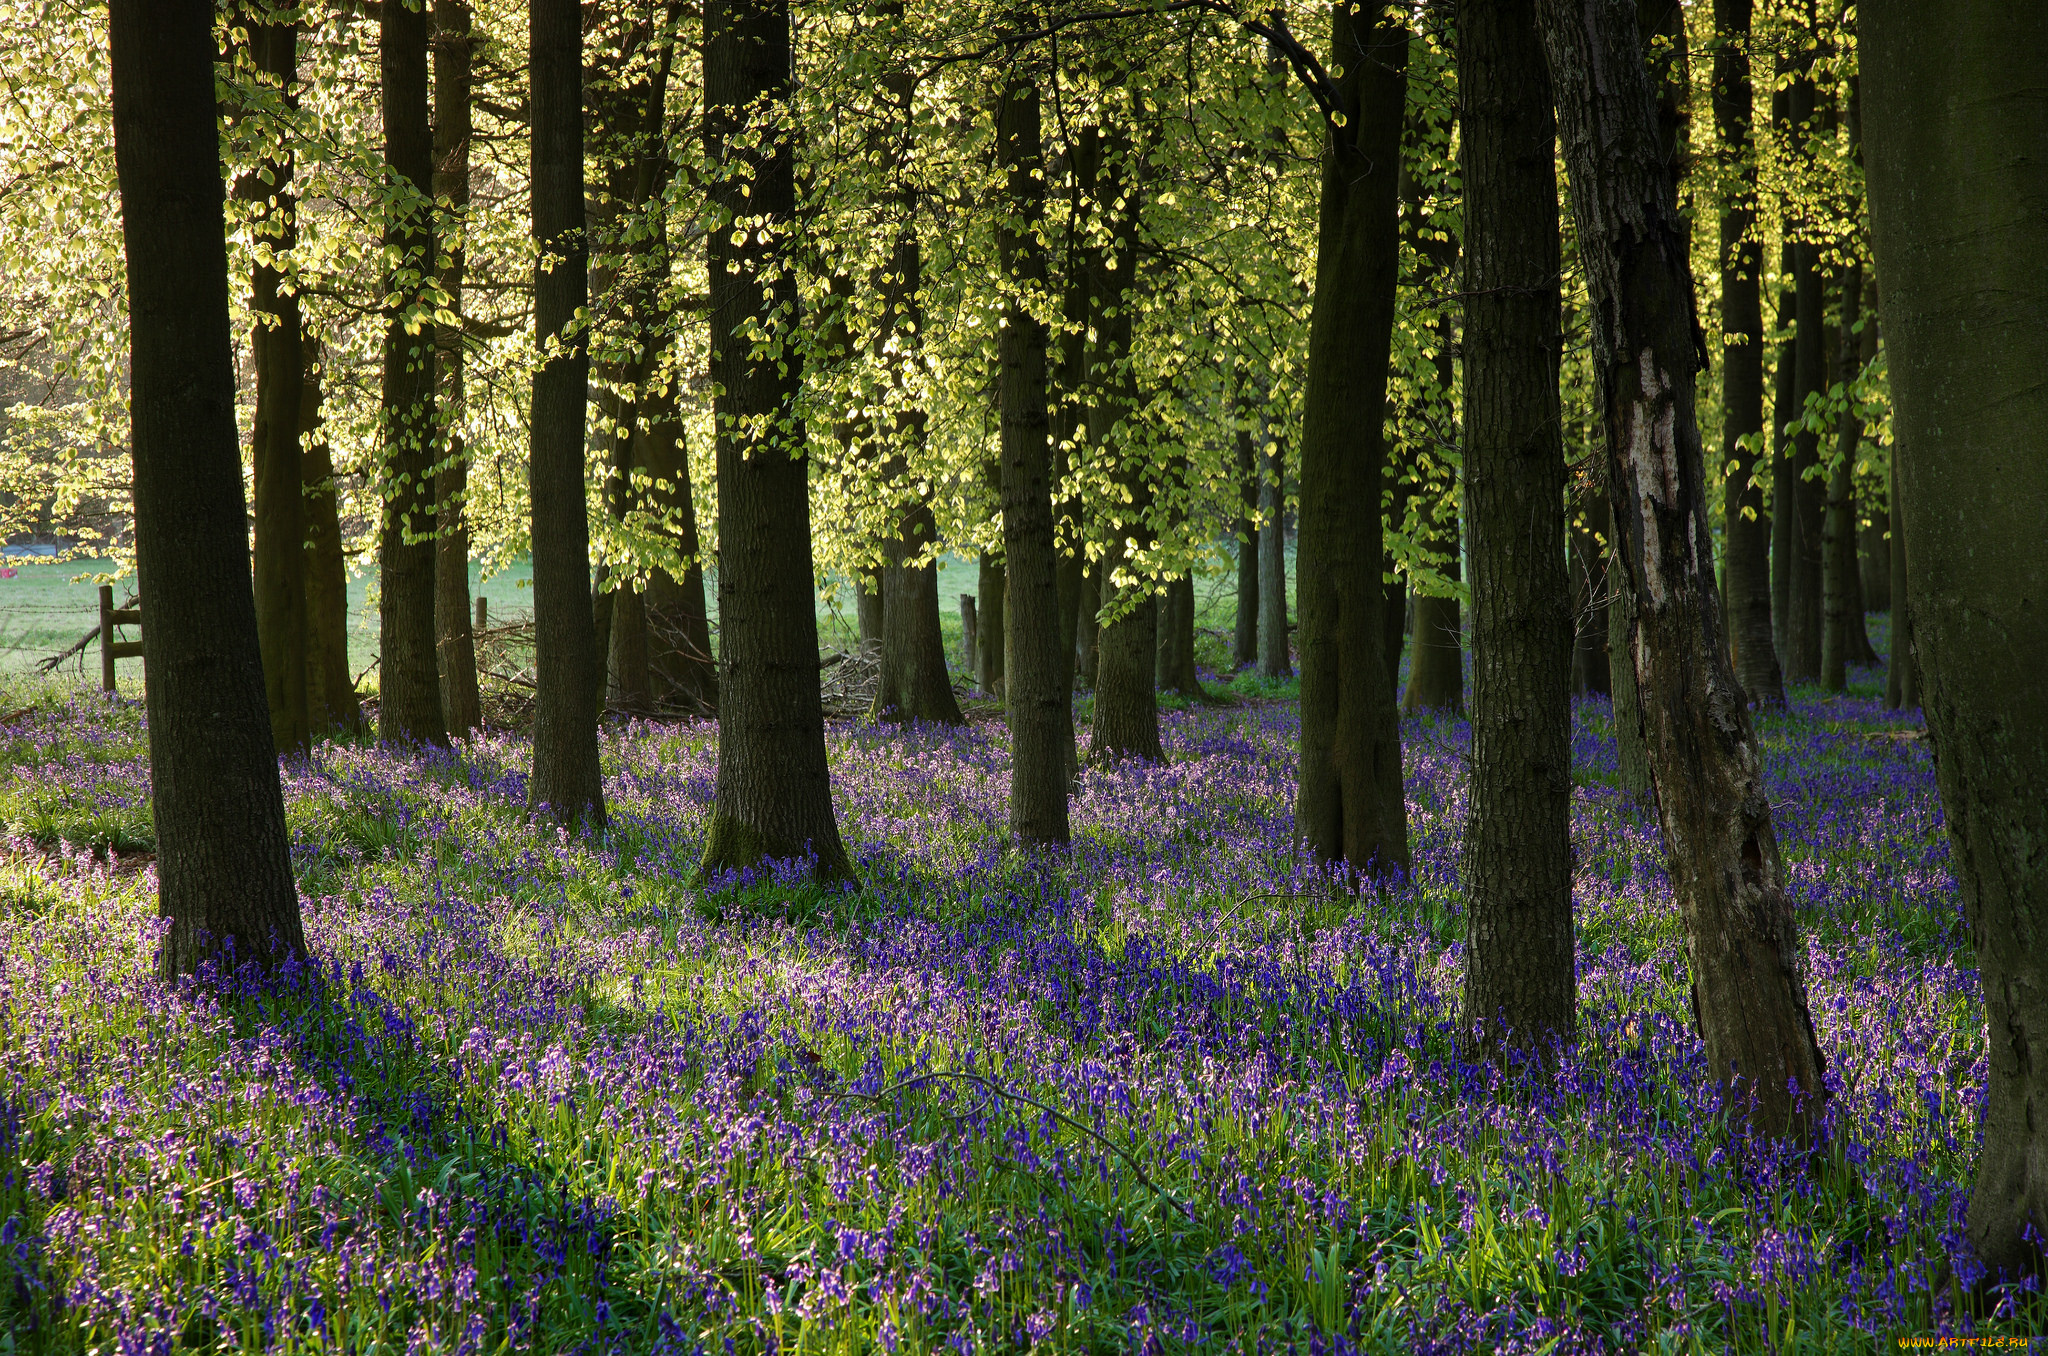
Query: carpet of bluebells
{"x": 1168, "y": 1092}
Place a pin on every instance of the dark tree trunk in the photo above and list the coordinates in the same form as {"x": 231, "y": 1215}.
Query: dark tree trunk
{"x": 1086, "y": 608}
{"x": 1902, "y": 672}
{"x": 1873, "y": 564}
{"x": 455, "y": 639}
{"x": 1748, "y": 987}
{"x": 774, "y": 796}
{"x": 992, "y": 587}
{"x": 1959, "y": 209}
{"x": 277, "y": 345}
{"x": 1591, "y": 672}
{"x": 1784, "y": 514}
{"x": 224, "y": 873}
{"x": 1349, "y": 806}
{"x": 1244, "y": 647}
{"x": 1275, "y": 651}
{"x": 409, "y": 683}
{"x": 567, "y": 663}
{"x": 1746, "y": 530}
{"x": 1126, "y": 722}
{"x": 1520, "y": 980}
{"x": 331, "y": 699}
{"x": 1839, "y": 556}
{"x": 1436, "y": 670}
{"x": 1176, "y": 672}
{"x": 1803, "y": 629}
{"x": 680, "y": 666}
{"x": 867, "y": 612}
{"x": 627, "y": 655}
{"x": 914, "y": 682}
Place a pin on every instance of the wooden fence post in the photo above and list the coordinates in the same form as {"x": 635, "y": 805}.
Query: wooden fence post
{"x": 111, "y": 649}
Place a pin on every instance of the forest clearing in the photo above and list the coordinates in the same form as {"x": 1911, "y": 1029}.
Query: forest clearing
{"x": 815, "y": 676}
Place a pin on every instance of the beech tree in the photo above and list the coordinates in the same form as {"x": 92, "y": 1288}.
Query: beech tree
{"x": 1954, "y": 120}
{"x": 454, "y": 637}
{"x": 566, "y": 781}
{"x": 224, "y": 875}
{"x": 1749, "y": 988}
{"x": 1520, "y": 981}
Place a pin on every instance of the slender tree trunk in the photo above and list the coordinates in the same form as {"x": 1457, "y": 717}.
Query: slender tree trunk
{"x": 680, "y": 665}
{"x": 1839, "y": 558}
{"x": 1784, "y": 511}
{"x": 1176, "y": 640}
{"x": 568, "y": 665}
{"x": 1748, "y": 987}
{"x": 277, "y": 347}
{"x": 1902, "y": 673}
{"x": 914, "y": 682}
{"x": 1086, "y": 608}
{"x": 409, "y": 686}
{"x": 1275, "y": 653}
{"x": 1591, "y": 672}
{"x": 1873, "y": 564}
{"x": 1808, "y": 502}
{"x": 455, "y": 639}
{"x": 1349, "y": 806}
{"x": 1959, "y": 209}
{"x": 331, "y": 699}
{"x": 1520, "y": 980}
{"x": 989, "y": 625}
{"x": 774, "y": 796}
{"x": 867, "y": 612}
{"x": 1244, "y": 648}
{"x": 224, "y": 874}
{"x": 1746, "y": 531}
{"x": 1126, "y": 723}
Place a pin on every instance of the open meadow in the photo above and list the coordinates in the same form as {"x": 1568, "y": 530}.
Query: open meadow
{"x": 1166, "y": 1092}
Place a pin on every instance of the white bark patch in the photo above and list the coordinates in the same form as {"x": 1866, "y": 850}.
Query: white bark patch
{"x": 1653, "y": 462}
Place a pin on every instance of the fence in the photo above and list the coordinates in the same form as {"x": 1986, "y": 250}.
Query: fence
{"x": 111, "y": 649}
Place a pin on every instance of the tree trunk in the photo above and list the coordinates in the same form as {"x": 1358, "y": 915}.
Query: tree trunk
{"x": 1902, "y": 672}
{"x": 1349, "y": 805}
{"x": 567, "y": 663}
{"x": 277, "y": 347}
{"x": 1746, "y": 531}
{"x": 1086, "y": 609}
{"x": 1126, "y": 722}
{"x": 1177, "y": 640}
{"x": 1591, "y": 671}
{"x": 455, "y": 639}
{"x": 867, "y": 612}
{"x": 1873, "y": 564}
{"x": 1520, "y": 982}
{"x": 774, "y": 795}
{"x": 409, "y": 683}
{"x": 1959, "y": 210}
{"x": 1808, "y": 504}
{"x": 331, "y": 700}
{"x": 1244, "y": 647}
{"x": 1784, "y": 513}
{"x": 1839, "y": 556}
{"x": 680, "y": 666}
{"x": 1436, "y": 672}
{"x": 1748, "y": 986}
{"x": 914, "y": 682}
{"x": 627, "y": 655}
{"x": 224, "y": 873}
{"x": 989, "y": 625}
{"x": 1275, "y": 653}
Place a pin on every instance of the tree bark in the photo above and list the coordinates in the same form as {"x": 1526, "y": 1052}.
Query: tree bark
{"x": 277, "y": 347}
{"x": 1520, "y": 980}
{"x": 989, "y": 625}
{"x": 1176, "y": 640}
{"x": 1959, "y": 209}
{"x": 331, "y": 699}
{"x": 1784, "y": 512}
{"x": 1746, "y": 529}
{"x": 409, "y": 683}
{"x": 1746, "y": 956}
{"x": 1126, "y": 720}
{"x": 1902, "y": 672}
{"x": 1244, "y": 647}
{"x": 224, "y": 874}
{"x": 1873, "y": 564}
{"x": 1276, "y": 659}
{"x": 1086, "y": 609}
{"x": 774, "y": 793}
{"x": 1839, "y": 555}
{"x": 1591, "y": 672}
{"x": 1349, "y": 806}
{"x": 568, "y": 665}
{"x": 455, "y": 638}
{"x": 680, "y": 665}
{"x": 1436, "y": 672}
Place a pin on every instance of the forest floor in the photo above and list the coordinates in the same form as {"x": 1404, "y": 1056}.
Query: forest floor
{"x": 1167, "y": 1092}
